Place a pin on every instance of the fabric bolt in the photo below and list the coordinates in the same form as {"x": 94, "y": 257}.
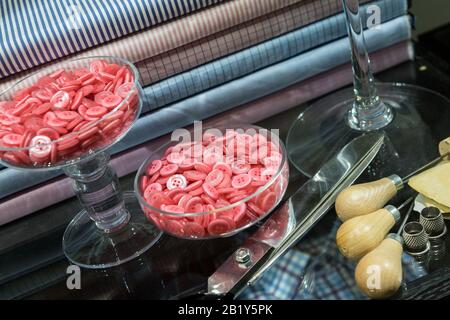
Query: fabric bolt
{"x": 269, "y": 52}
{"x": 34, "y": 32}
{"x": 257, "y": 85}
{"x": 176, "y": 33}
{"x": 255, "y": 32}
{"x": 165, "y": 120}
{"x": 333, "y": 276}
{"x": 305, "y": 65}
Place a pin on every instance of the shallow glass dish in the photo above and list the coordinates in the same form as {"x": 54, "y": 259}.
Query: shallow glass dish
{"x": 226, "y": 213}
{"x": 67, "y": 119}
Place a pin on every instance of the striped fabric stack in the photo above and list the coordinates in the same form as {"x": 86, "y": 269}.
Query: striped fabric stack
{"x": 199, "y": 59}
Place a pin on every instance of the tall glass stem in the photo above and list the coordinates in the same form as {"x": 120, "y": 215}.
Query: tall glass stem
{"x": 97, "y": 187}
{"x": 368, "y": 112}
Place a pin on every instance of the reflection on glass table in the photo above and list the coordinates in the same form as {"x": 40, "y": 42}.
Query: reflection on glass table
{"x": 392, "y": 108}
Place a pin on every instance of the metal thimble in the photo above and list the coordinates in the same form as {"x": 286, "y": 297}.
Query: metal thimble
{"x": 433, "y": 222}
{"x": 415, "y": 238}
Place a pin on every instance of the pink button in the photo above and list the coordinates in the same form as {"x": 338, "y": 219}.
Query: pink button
{"x": 184, "y": 200}
{"x": 196, "y": 192}
{"x": 97, "y": 112}
{"x": 55, "y": 122}
{"x": 239, "y": 212}
{"x": 154, "y": 167}
{"x": 255, "y": 209}
{"x": 202, "y": 167}
{"x": 12, "y": 139}
{"x": 226, "y": 182}
{"x": 173, "y": 209}
{"x": 124, "y": 89}
{"x": 193, "y": 186}
{"x": 42, "y": 109}
{"x": 268, "y": 201}
{"x": 143, "y": 183}
{"x": 194, "y": 230}
{"x": 60, "y": 100}
{"x": 241, "y": 181}
{"x": 240, "y": 167}
{"x": 191, "y": 203}
{"x": 218, "y": 227}
{"x": 210, "y": 191}
{"x": 111, "y": 101}
{"x": 33, "y": 123}
{"x": 175, "y": 157}
{"x": 67, "y": 144}
{"x": 41, "y": 147}
{"x": 168, "y": 170}
{"x": 151, "y": 188}
{"x": 67, "y": 115}
{"x": 174, "y": 227}
{"x": 157, "y": 199}
{"x": 194, "y": 175}
{"x": 187, "y": 164}
{"x": 215, "y": 177}
{"x": 223, "y": 167}
{"x": 177, "y": 181}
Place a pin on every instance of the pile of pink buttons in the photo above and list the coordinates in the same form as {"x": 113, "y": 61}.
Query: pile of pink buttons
{"x": 208, "y": 177}
{"x": 66, "y": 106}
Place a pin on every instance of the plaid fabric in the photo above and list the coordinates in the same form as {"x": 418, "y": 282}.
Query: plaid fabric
{"x": 249, "y": 61}
{"x": 333, "y": 274}
{"x": 244, "y": 36}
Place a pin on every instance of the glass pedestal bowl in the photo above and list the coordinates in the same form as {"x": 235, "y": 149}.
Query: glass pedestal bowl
{"x": 66, "y": 119}
{"x": 215, "y": 182}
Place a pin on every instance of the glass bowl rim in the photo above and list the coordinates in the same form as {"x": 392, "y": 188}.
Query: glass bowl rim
{"x": 95, "y": 123}
{"x": 260, "y": 190}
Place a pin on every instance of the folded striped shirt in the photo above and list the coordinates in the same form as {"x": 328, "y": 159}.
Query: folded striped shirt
{"x": 182, "y": 114}
{"x": 229, "y": 95}
{"x": 162, "y": 38}
{"x": 33, "y": 32}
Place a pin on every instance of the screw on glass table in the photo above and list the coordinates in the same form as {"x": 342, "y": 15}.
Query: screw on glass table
{"x": 34, "y": 267}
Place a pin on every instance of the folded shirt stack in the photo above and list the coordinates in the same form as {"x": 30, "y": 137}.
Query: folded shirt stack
{"x": 196, "y": 66}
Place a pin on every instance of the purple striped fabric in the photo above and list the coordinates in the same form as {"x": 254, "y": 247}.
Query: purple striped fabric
{"x": 53, "y": 192}
{"x": 179, "y": 32}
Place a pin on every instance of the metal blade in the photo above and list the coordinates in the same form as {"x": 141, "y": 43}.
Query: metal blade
{"x": 297, "y": 215}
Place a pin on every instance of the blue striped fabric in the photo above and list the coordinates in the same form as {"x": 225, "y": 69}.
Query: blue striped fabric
{"x": 260, "y": 56}
{"x": 229, "y": 95}
{"x": 33, "y": 32}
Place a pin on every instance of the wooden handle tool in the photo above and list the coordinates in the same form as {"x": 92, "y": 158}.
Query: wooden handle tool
{"x": 358, "y": 236}
{"x": 361, "y": 199}
{"x": 379, "y": 274}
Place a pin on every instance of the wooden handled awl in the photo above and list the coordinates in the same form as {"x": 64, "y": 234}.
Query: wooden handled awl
{"x": 379, "y": 273}
{"x": 361, "y": 199}
{"x": 358, "y": 236}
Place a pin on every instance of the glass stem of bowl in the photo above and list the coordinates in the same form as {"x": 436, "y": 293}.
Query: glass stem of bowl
{"x": 97, "y": 187}
{"x": 368, "y": 111}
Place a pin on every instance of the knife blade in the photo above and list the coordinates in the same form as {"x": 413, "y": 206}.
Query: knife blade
{"x": 294, "y": 218}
